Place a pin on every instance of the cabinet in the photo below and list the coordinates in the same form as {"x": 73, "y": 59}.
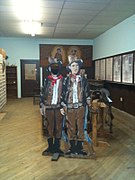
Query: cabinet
{"x": 11, "y": 81}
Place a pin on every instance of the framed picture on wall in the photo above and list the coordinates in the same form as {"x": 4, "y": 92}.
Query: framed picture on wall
{"x": 127, "y": 68}
{"x": 102, "y": 69}
{"x": 134, "y": 68}
{"x": 109, "y": 62}
{"x": 62, "y": 53}
{"x": 97, "y": 73}
{"x": 117, "y": 68}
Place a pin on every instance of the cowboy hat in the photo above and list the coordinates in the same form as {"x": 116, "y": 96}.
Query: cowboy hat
{"x": 54, "y": 66}
{"x": 72, "y": 59}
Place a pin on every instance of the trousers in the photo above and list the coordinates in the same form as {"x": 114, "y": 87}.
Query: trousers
{"x": 75, "y": 123}
{"x": 54, "y": 122}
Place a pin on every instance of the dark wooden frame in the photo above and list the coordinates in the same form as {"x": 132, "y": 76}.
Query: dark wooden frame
{"x": 84, "y": 53}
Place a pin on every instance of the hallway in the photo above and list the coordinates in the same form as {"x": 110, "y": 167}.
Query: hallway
{"x": 22, "y": 143}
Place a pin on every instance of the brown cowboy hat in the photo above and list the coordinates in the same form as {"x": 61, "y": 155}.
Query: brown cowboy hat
{"x": 72, "y": 60}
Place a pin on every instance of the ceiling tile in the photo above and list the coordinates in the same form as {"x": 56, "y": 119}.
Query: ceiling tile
{"x": 69, "y": 18}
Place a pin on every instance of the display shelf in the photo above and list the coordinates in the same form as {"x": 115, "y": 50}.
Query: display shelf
{"x": 11, "y": 81}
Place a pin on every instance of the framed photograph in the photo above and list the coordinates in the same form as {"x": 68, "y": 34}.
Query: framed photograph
{"x": 97, "y": 73}
{"x": 62, "y": 53}
{"x": 127, "y": 68}
{"x": 109, "y": 62}
{"x": 102, "y": 69}
{"x": 117, "y": 68}
{"x": 134, "y": 68}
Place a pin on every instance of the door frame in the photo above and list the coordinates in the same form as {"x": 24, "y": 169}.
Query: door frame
{"x": 29, "y": 61}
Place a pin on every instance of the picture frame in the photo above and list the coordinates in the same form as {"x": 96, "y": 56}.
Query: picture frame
{"x": 117, "y": 68}
{"x": 62, "y": 52}
{"x": 127, "y": 68}
{"x": 102, "y": 69}
{"x": 134, "y": 67}
{"x": 97, "y": 72}
{"x": 109, "y": 66}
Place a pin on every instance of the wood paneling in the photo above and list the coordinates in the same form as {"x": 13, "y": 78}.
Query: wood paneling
{"x": 123, "y": 96}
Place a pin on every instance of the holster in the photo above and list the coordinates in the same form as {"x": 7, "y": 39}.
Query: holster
{"x": 44, "y": 125}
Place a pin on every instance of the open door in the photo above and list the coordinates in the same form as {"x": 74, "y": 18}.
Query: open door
{"x": 30, "y": 79}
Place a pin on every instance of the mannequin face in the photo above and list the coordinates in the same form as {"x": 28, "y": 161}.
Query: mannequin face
{"x": 54, "y": 69}
{"x": 74, "y": 67}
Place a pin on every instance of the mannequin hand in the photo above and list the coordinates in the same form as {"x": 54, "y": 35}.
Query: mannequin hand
{"x": 42, "y": 109}
{"x": 89, "y": 102}
{"x": 62, "y": 111}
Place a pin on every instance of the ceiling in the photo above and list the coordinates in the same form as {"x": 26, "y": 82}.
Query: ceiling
{"x": 72, "y": 19}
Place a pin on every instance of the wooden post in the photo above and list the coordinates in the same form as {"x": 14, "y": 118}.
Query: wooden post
{"x": 94, "y": 122}
{"x": 97, "y": 107}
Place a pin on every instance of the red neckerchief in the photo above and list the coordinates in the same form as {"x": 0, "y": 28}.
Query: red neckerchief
{"x": 73, "y": 76}
{"x": 54, "y": 79}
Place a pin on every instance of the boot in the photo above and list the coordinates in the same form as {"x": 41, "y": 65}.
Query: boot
{"x": 80, "y": 149}
{"x": 50, "y": 149}
{"x": 91, "y": 151}
{"x": 57, "y": 146}
{"x": 72, "y": 149}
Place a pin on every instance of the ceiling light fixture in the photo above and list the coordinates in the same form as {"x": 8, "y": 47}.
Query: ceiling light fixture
{"x": 31, "y": 27}
{"x": 29, "y": 13}
{"x": 27, "y": 9}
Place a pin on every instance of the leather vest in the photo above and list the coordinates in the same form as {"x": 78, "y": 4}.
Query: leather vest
{"x": 48, "y": 92}
{"x": 83, "y": 91}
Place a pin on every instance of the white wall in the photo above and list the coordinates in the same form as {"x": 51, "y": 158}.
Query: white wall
{"x": 28, "y": 48}
{"x": 117, "y": 40}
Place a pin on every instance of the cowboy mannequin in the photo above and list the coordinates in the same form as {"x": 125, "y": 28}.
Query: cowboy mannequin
{"x": 50, "y": 107}
{"x": 75, "y": 96}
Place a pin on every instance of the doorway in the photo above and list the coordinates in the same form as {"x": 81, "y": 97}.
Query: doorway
{"x": 30, "y": 78}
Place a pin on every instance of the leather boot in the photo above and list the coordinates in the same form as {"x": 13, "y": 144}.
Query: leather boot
{"x": 72, "y": 149}
{"x": 80, "y": 149}
{"x": 50, "y": 149}
{"x": 57, "y": 146}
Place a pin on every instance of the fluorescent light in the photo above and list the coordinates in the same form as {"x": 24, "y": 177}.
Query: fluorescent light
{"x": 31, "y": 27}
{"x": 29, "y": 12}
{"x": 27, "y": 9}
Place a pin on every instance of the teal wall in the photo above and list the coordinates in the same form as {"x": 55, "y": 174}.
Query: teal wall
{"x": 117, "y": 40}
{"x": 28, "y": 48}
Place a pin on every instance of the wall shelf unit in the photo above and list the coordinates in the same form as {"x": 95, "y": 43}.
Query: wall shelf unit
{"x": 11, "y": 81}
